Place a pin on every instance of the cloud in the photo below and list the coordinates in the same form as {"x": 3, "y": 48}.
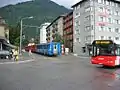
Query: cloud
{"x": 67, "y": 3}
{"x": 6, "y": 2}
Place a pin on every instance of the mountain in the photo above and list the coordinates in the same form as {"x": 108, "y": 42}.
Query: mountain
{"x": 41, "y": 10}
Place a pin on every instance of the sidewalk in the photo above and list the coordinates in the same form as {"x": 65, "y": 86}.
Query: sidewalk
{"x": 72, "y": 54}
{"x": 25, "y": 56}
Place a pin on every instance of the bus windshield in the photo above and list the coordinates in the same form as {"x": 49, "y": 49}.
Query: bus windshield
{"x": 105, "y": 48}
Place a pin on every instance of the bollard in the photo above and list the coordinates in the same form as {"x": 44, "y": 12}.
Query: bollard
{"x": 63, "y": 50}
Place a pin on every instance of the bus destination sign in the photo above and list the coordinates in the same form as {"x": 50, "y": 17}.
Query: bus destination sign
{"x": 102, "y": 42}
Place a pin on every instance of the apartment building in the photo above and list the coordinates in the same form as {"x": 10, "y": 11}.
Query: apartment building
{"x": 68, "y": 31}
{"x": 95, "y": 20}
{"x": 43, "y": 32}
{"x": 55, "y": 27}
{"x": 4, "y": 30}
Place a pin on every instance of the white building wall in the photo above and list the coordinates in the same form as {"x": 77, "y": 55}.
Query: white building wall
{"x": 43, "y": 32}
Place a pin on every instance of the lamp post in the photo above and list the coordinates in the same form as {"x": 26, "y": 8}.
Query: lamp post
{"x": 21, "y": 23}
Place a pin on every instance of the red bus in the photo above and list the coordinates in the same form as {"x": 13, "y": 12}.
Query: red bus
{"x": 105, "y": 52}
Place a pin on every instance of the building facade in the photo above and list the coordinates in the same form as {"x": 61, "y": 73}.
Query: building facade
{"x": 4, "y": 30}
{"x": 43, "y": 32}
{"x": 68, "y": 31}
{"x": 55, "y": 27}
{"x": 95, "y": 20}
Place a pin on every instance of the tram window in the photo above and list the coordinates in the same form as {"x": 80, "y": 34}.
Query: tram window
{"x": 55, "y": 46}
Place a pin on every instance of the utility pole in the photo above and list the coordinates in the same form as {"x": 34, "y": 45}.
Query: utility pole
{"x": 21, "y": 31}
{"x": 94, "y": 17}
{"x": 21, "y": 38}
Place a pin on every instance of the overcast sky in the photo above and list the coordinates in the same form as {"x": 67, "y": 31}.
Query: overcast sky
{"x": 67, "y": 3}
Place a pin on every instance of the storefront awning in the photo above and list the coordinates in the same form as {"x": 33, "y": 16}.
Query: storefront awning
{"x": 10, "y": 45}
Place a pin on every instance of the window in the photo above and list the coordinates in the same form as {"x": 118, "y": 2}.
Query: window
{"x": 116, "y": 38}
{"x": 102, "y": 37}
{"x": 109, "y": 11}
{"x": 77, "y": 31}
{"x": 101, "y": 19}
{"x": 110, "y": 20}
{"x": 109, "y": 37}
{"x": 100, "y": 1}
{"x": 71, "y": 22}
{"x": 87, "y": 28}
{"x": 116, "y": 30}
{"x": 117, "y": 21}
{"x": 116, "y": 13}
{"x": 89, "y": 37}
{"x": 77, "y": 14}
{"x": 107, "y": 3}
{"x": 116, "y": 4}
{"x": 91, "y": 9}
{"x": 87, "y": 18}
{"x": 87, "y": 9}
{"x": 92, "y": 27}
{"x": 110, "y": 30}
{"x": 77, "y": 39}
{"x": 112, "y": 3}
{"x": 101, "y": 28}
{"x": 100, "y": 9}
{"x": 76, "y": 23}
{"x": 91, "y": 17}
{"x": 78, "y": 7}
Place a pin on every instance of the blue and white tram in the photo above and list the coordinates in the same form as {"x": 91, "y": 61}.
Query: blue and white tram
{"x": 51, "y": 49}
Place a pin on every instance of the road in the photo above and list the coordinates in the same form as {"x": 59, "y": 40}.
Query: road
{"x": 62, "y": 73}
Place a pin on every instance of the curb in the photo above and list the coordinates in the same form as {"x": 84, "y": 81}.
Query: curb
{"x": 18, "y": 62}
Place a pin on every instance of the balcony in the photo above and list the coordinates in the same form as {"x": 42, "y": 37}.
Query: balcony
{"x": 53, "y": 35}
{"x": 102, "y": 23}
{"x": 103, "y": 14}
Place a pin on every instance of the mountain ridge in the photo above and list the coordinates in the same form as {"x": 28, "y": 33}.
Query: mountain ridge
{"x": 42, "y": 11}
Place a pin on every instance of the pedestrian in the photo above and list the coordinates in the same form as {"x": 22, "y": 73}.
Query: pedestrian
{"x": 30, "y": 53}
{"x": 15, "y": 55}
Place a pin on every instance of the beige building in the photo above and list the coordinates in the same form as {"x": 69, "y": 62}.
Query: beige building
{"x": 4, "y": 30}
{"x": 55, "y": 27}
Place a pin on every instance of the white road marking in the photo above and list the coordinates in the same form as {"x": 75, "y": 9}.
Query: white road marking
{"x": 18, "y": 62}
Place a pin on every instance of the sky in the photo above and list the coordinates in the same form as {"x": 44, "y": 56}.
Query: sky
{"x": 66, "y": 3}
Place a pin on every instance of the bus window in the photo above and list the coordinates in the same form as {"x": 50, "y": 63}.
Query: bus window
{"x": 117, "y": 51}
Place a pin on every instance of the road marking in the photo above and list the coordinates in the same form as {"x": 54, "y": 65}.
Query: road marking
{"x": 18, "y": 62}
{"x": 50, "y": 58}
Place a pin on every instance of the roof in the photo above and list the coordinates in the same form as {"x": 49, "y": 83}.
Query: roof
{"x": 5, "y": 25}
{"x": 1, "y": 17}
{"x": 78, "y": 3}
{"x": 86, "y": 0}
{"x": 10, "y": 45}
{"x": 3, "y": 38}
{"x": 55, "y": 20}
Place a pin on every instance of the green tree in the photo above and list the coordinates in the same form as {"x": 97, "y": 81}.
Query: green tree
{"x": 14, "y": 33}
{"x": 58, "y": 38}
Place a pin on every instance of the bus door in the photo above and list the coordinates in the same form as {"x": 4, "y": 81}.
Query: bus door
{"x": 95, "y": 51}
{"x": 117, "y": 54}
{"x": 117, "y": 50}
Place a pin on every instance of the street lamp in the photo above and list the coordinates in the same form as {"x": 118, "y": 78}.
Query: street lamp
{"x": 21, "y": 23}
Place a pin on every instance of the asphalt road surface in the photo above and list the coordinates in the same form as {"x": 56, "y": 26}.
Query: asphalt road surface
{"x": 62, "y": 73}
